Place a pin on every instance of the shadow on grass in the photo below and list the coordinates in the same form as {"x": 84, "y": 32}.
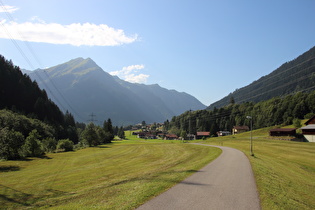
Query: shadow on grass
{"x": 103, "y": 146}
{"x": 31, "y": 158}
{"x": 157, "y": 178}
{"x": 9, "y": 168}
{"x": 10, "y": 196}
{"x": 45, "y": 157}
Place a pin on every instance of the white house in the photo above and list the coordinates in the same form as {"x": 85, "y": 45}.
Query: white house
{"x": 309, "y": 130}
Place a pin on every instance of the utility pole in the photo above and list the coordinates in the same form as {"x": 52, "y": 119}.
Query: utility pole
{"x": 92, "y": 118}
{"x": 189, "y": 124}
{"x": 251, "y": 135}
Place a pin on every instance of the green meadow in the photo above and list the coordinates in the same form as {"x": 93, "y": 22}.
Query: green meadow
{"x": 125, "y": 174}
{"x": 284, "y": 170}
{"x": 121, "y": 175}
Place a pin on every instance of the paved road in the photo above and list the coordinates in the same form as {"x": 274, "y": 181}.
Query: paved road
{"x": 226, "y": 183}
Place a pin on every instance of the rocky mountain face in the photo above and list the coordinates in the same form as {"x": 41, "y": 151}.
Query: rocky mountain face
{"x": 83, "y": 88}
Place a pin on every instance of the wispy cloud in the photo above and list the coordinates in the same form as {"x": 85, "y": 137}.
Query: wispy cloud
{"x": 131, "y": 74}
{"x": 7, "y": 8}
{"x": 76, "y": 34}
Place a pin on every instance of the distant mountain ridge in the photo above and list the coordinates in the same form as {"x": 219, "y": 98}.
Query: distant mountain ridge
{"x": 84, "y": 88}
{"x": 294, "y": 76}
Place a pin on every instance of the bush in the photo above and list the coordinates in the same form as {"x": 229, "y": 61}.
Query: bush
{"x": 32, "y": 147}
{"x": 49, "y": 144}
{"x": 80, "y": 145}
{"x": 308, "y": 116}
{"x": 65, "y": 145}
{"x": 10, "y": 144}
{"x": 297, "y": 123}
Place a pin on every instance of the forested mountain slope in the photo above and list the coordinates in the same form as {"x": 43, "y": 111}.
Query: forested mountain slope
{"x": 81, "y": 86}
{"x": 275, "y": 111}
{"x": 19, "y": 93}
{"x": 291, "y": 77}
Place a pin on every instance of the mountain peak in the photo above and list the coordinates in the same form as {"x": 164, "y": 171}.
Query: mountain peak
{"x": 89, "y": 89}
{"x": 77, "y": 66}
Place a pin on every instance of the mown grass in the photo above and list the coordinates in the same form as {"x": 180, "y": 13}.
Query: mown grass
{"x": 284, "y": 170}
{"x": 121, "y": 175}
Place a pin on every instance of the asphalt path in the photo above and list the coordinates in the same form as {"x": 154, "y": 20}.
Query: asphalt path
{"x": 226, "y": 183}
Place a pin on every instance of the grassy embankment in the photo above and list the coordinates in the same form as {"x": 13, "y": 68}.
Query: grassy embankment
{"x": 121, "y": 175}
{"x": 284, "y": 170}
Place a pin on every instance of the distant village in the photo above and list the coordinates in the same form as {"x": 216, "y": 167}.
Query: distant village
{"x": 157, "y": 131}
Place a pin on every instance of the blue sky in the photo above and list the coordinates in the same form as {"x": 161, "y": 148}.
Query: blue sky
{"x": 207, "y": 48}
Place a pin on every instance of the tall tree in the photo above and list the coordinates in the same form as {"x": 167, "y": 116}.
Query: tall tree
{"x": 89, "y": 135}
{"x": 121, "y": 133}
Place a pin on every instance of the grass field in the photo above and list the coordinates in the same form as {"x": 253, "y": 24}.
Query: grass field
{"x": 121, "y": 175}
{"x": 125, "y": 174}
{"x": 284, "y": 170}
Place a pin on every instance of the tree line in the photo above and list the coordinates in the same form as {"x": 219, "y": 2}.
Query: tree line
{"x": 21, "y": 136}
{"x": 275, "y": 111}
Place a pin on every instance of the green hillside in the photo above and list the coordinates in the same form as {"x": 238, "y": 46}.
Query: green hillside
{"x": 275, "y": 111}
{"x": 297, "y": 75}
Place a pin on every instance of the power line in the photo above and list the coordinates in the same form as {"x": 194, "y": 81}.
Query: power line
{"x": 92, "y": 118}
{"x": 38, "y": 61}
{"x": 252, "y": 92}
{"x": 278, "y": 87}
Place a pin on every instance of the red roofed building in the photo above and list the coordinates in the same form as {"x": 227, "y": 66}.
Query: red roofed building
{"x": 203, "y": 134}
{"x": 171, "y": 137}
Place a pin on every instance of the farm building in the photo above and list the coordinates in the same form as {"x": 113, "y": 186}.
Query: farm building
{"x": 309, "y": 130}
{"x": 223, "y": 133}
{"x": 170, "y": 137}
{"x": 239, "y": 129}
{"x": 201, "y": 135}
{"x": 282, "y": 132}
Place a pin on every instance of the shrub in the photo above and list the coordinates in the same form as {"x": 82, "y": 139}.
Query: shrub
{"x": 10, "y": 144}
{"x": 65, "y": 145}
{"x": 32, "y": 147}
{"x": 297, "y": 123}
{"x": 49, "y": 144}
{"x": 308, "y": 116}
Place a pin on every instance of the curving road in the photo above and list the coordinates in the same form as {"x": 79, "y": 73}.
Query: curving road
{"x": 226, "y": 183}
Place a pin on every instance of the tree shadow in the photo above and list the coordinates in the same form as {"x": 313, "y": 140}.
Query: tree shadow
{"x": 12, "y": 196}
{"x": 9, "y": 168}
{"x": 103, "y": 146}
{"x": 157, "y": 178}
{"x": 16, "y": 197}
{"x": 45, "y": 157}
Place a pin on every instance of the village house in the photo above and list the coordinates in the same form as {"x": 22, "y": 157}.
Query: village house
{"x": 223, "y": 133}
{"x": 282, "y": 132}
{"x": 203, "y": 134}
{"x": 239, "y": 129}
{"x": 170, "y": 137}
{"x": 309, "y": 130}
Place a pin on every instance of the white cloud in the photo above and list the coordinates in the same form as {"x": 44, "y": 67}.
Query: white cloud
{"x": 7, "y": 8}
{"x": 141, "y": 78}
{"x": 130, "y": 74}
{"x": 37, "y": 19}
{"x": 76, "y": 34}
